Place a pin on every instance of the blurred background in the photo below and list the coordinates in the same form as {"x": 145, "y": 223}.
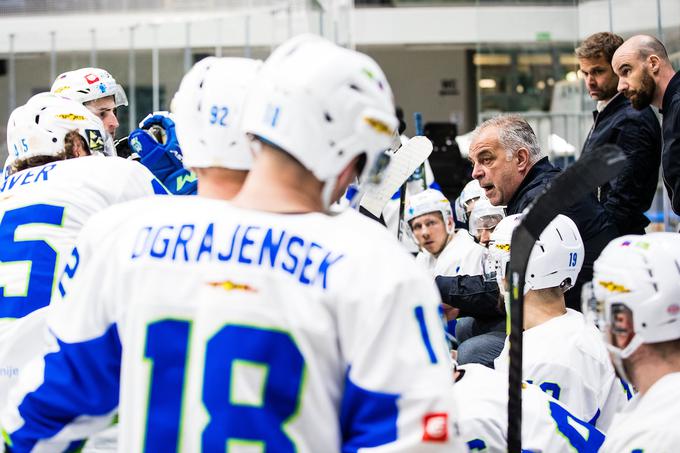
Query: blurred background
{"x": 457, "y": 62}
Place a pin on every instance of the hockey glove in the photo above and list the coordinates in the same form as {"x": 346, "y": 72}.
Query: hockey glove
{"x": 155, "y": 145}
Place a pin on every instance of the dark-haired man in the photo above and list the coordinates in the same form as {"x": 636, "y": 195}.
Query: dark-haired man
{"x": 637, "y": 132}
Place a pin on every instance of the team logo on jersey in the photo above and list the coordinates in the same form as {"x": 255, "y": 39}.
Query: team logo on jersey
{"x": 642, "y": 244}
{"x": 436, "y": 427}
{"x": 613, "y": 287}
{"x": 71, "y": 117}
{"x": 95, "y": 141}
{"x": 134, "y": 144}
{"x": 228, "y": 285}
{"x": 503, "y": 247}
{"x": 91, "y": 78}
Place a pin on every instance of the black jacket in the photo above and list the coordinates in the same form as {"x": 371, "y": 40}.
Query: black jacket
{"x": 638, "y": 133}
{"x": 670, "y": 158}
{"x": 588, "y": 215}
{"x": 472, "y": 295}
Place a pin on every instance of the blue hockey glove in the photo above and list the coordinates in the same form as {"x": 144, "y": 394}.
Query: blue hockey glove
{"x": 155, "y": 145}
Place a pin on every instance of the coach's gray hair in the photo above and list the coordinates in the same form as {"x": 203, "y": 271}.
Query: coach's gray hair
{"x": 513, "y": 133}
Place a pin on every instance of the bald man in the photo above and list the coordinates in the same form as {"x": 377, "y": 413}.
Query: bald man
{"x": 646, "y": 77}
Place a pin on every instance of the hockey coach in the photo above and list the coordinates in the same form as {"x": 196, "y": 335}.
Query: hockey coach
{"x": 511, "y": 168}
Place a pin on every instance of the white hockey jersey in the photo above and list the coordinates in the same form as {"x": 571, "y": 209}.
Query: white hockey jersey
{"x": 42, "y": 209}
{"x": 547, "y": 425}
{"x": 567, "y": 358}
{"x": 648, "y": 423}
{"x": 461, "y": 256}
{"x": 238, "y": 329}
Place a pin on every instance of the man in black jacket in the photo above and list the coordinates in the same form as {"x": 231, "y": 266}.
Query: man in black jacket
{"x": 510, "y": 167}
{"x": 646, "y": 77}
{"x": 637, "y": 132}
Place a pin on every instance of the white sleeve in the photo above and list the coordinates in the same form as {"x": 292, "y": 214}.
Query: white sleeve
{"x": 483, "y": 434}
{"x": 72, "y": 390}
{"x": 549, "y": 426}
{"x": 396, "y": 328}
{"x": 139, "y": 182}
{"x": 566, "y": 386}
{"x": 615, "y": 397}
{"x": 643, "y": 441}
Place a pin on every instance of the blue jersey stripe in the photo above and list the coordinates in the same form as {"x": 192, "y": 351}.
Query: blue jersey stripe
{"x": 79, "y": 379}
{"x": 367, "y": 419}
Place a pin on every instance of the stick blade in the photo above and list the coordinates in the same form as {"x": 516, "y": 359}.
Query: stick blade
{"x": 403, "y": 163}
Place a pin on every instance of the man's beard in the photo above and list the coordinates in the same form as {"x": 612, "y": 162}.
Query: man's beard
{"x": 642, "y": 97}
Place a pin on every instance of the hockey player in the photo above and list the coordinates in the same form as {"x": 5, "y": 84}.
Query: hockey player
{"x": 637, "y": 288}
{"x": 44, "y": 203}
{"x": 160, "y": 152}
{"x": 260, "y": 317}
{"x": 483, "y": 219}
{"x": 97, "y": 90}
{"x": 443, "y": 251}
{"x": 466, "y": 201}
{"x": 563, "y": 354}
{"x": 480, "y": 327}
{"x": 547, "y": 425}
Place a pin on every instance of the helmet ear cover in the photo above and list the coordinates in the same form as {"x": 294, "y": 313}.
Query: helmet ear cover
{"x": 323, "y": 105}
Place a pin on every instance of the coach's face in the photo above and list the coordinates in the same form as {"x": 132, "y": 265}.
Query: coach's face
{"x": 499, "y": 171}
{"x": 635, "y": 82}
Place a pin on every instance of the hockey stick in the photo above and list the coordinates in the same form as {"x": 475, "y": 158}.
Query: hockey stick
{"x": 590, "y": 171}
{"x": 403, "y": 163}
{"x": 418, "y": 120}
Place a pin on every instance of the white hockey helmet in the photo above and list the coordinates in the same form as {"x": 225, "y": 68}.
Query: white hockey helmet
{"x": 87, "y": 84}
{"x": 324, "y": 105}
{"x": 207, "y": 109}
{"x": 484, "y": 216}
{"x": 425, "y": 202}
{"x": 639, "y": 274}
{"x": 471, "y": 192}
{"x": 38, "y": 128}
{"x": 555, "y": 260}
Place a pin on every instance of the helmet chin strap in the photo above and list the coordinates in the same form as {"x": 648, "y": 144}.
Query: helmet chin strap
{"x": 618, "y": 355}
{"x": 327, "y": 192}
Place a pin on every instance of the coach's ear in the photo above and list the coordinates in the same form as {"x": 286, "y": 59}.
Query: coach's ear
{"x": 522, "y": 159}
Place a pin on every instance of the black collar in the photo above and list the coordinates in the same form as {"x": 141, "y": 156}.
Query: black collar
{"x": 672, "y": 88}
{"x": 539, "y": 167}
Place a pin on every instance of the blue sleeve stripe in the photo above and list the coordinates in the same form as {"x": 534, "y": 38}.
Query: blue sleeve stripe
{"x": 79, "y": 379}
{"x": 367, "y": 419}
{"x": 593, "y": 420}
{"x": 626, "y": 388}
{"x": 420, "y": 316}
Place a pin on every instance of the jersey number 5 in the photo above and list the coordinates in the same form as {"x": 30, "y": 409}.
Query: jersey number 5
{"x": 39, "y": 260}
